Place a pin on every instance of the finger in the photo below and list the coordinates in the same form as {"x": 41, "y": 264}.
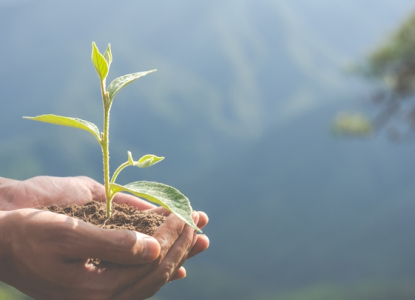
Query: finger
{"x": 174, "y": 258}
{"x": 138, "y": 203}
{"x": 203, "y": 219}
{"x": 178, "y": 253}
{"x": 201, "y": 245}
{"x": 117, "y": 246}
{"x": 121, "y": 276}
{"x": 150, "y": 284}
{"x": 185, "y": 255}
{"x": 167, "y": 234}
{"x": 96, "y": 189}
{"x": 180, "y": 274}
{"x": 160, "y": 211}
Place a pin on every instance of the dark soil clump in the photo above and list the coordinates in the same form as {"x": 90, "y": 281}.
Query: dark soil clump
{"x": 123, "y": 216}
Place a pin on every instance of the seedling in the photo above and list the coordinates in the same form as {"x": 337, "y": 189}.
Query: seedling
{"x": 164, "y": 195}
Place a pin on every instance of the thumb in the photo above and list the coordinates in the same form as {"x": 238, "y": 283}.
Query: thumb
{"x": 116, "y": 246}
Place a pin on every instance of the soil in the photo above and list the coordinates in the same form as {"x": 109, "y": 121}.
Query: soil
{"x": 123, "y": 216}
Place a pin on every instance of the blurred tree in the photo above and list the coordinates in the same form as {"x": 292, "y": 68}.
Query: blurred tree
{"x": 391, "y": 66}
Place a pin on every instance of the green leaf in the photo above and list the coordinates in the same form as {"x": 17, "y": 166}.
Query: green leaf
{"x": 167, "y": 196}
{"x": 119, "y": 83}
{"x": 148, "y": 160}
{"x": 108, "y": 55}
{"x": 100, "y": 63}
{"x": 71, "y": 122}
{"x": 145, "y": 161}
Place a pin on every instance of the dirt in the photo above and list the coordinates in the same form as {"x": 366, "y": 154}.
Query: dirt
{"x": 123, "y": 216}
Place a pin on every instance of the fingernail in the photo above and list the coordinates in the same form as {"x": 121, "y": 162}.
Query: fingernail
{"x": 151, "y": 248}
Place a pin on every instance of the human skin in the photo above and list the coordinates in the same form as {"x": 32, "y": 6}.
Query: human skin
{"x": 45, "y": 254}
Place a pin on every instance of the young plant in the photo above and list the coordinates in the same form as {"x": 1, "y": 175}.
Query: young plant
{"x": 164, "y": 195}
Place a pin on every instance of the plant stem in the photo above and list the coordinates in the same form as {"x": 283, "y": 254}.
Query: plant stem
{"x": 119, "y": 169}
{"x": 105, "y": 147}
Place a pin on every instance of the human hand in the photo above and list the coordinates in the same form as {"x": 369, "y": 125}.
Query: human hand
{"x": 46, "y": 190}
{"x": 48, "y": 252}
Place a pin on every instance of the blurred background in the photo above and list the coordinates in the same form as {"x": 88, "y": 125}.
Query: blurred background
{"x": 281, "y": 119}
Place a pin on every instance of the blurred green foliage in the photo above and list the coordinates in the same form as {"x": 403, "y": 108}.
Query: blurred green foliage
{"x": 393, "y": 62}
{"x": 391, "y": 66}
{"x": 352, "y": 123}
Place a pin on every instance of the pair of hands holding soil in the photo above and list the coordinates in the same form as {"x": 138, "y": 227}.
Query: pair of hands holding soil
{"x": 45, "y": 254}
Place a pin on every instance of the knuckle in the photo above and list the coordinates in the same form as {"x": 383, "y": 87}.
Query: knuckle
{"x": 189, "y": 239}
{"x": 164, "y": 278}
{"x": 166, "y": 274}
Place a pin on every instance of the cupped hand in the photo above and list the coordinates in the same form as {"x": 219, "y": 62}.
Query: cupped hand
{"x": 46, "y": 190}
{"x": 47, "y": 253}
